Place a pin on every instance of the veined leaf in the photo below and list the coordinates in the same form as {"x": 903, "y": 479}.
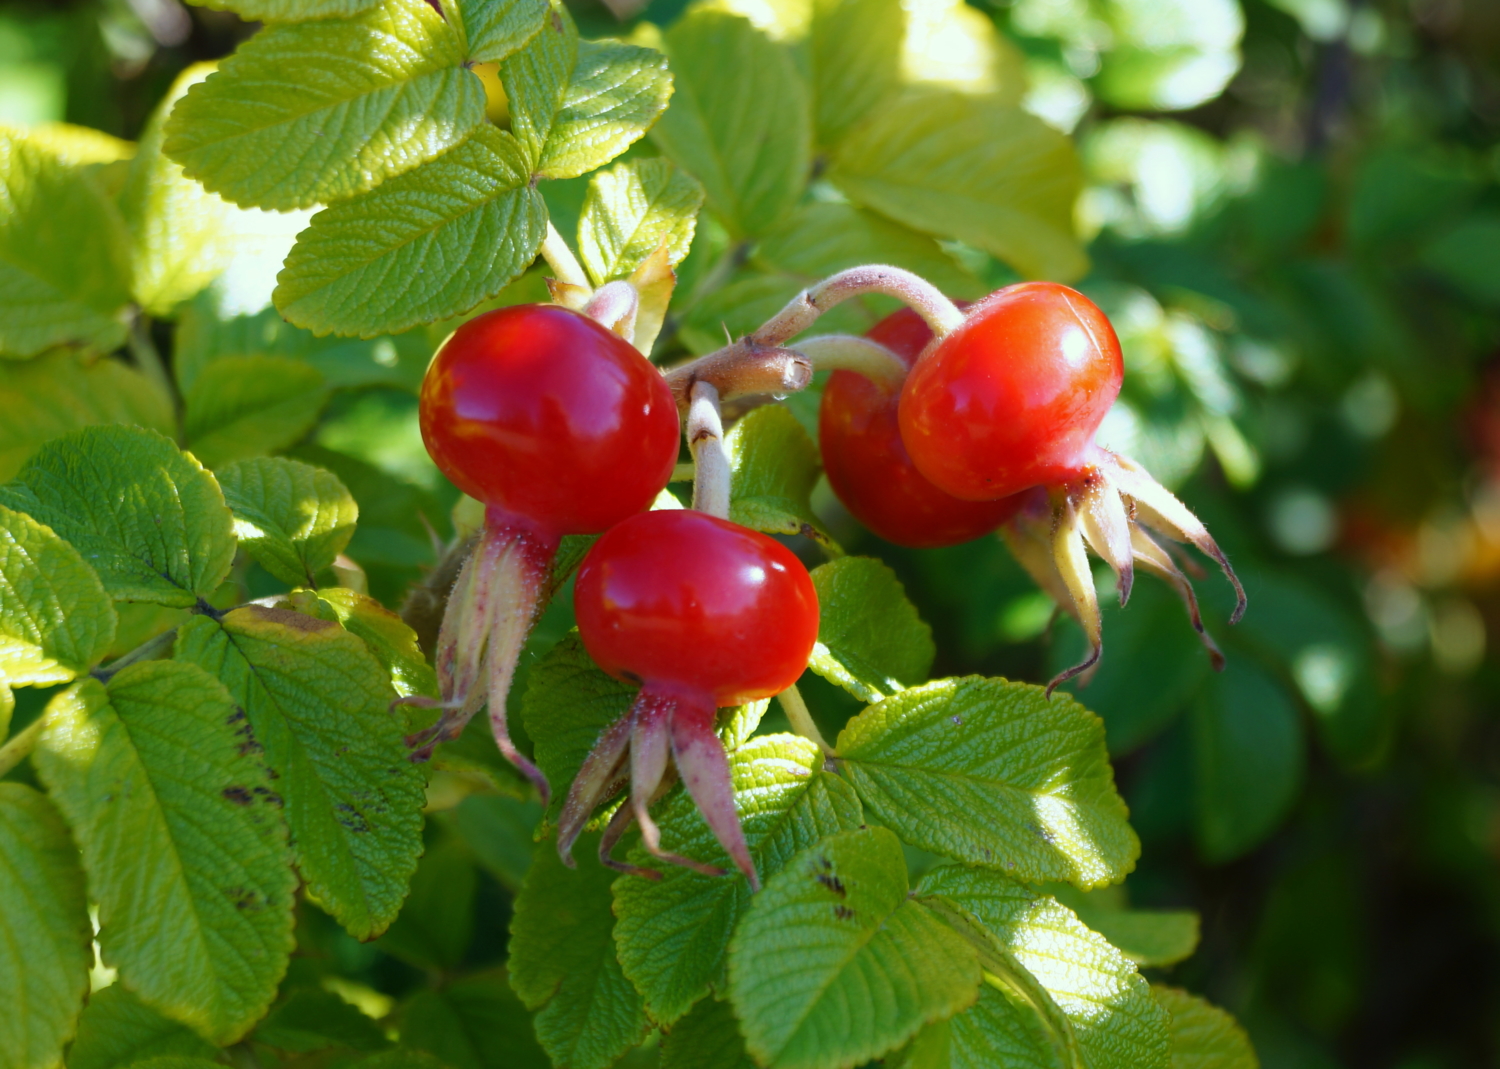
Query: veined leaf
{"x": 633, "y": 209}
{"x": 182, "y": 838}
{"x": 149, "y": 519}
{"x": 855, "y": 53}
{"x": 954, "y": 165}
{"x": 245, "y": 406}
{"x": 288, "y": 10}
{"x": 427, "y": 245}
{"x": 1145, "y": 936}
{"x": 1202, "y": 1035}
{"x": 493, "y": 29}
{"x": 307, "y": 113}
{"x": 474, "y": 1023}
{"x": 834, "y": 964}
{"x": 563, "y": 964}
{"x": 44, "y": 930}
{"x": 871, "y": 641}
{"x": 993, "y": 773}
{"x": 64, "y": 252}
{"x": 1107, "y": 1003}
{"x": 709, "y": 1035}
{"x": 317, "y": 701}
{"x": 773, "y": 468}
{"x": 673, "y": 933}
{"x": 56, "y": 621}
{"x": 820, "y": 238}
{"x": 386, "y": 636}
{"x": 568, "y": 703}
{"x": 1001, "y": 1029}
{"x": 740, "y": 121}
{"x": 61, "y": 391}
{"x": 291, "y": 517}
{"x": 117, "y": 1030}
{"x": 575, "y": 105}
{"x": 181, "y": 235}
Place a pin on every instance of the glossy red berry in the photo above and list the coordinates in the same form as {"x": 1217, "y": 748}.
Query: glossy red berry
{"x": 683, "y": 601}
{"x": 868, "y": 465}
{"x": 1013, "y": 397}
{"x": 553, "y": 421}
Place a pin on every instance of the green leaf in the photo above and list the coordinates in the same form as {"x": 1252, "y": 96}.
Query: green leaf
{"x": 1170, "y": 54}
{"x": 1249, "y": 759}
{"x": 673, "y": 933}
{"x": 1145, "y": 936}
{"x": 44, "y": 931}
{"x": 820, "y": 238}
{"x": 56, "y": 621}
{"x": 1001, "y": 1029}
{"x": 118, "y": 1030}
{"x": 64, "y": 253}
{"x": 313, "y": 1019}
{"x": 773, "y": 469}
{"x": 499, "y": 830}
{"x": 563, "y": 964}
{"x": 308, "y": 113}
{"x": 969, "y": 167}
{"x": 474, "y": 1023}
{"x": 1107, "y": 1003}
{"x": 61, "y": 391}
{"x": 425, "y": 246}
{"x": 177, "y": 1061}
{"x": 576, "y": 105}
{"x": 246, "y": 406}
{"x": 386, "y": 636}
{"x": 834, "y": 964}
{"x": 150, "y": 520}
{"x": 1202, "y": 1035}
{"x": 871, "y": 641}
{"x": 317, "y": 701}
{"x": 436, "y": 922}
{"x": 740, "y": 120}
{"x": 855, "y": 54}
{"x": 995, "y": 773}
{"x": 633, "y": 209}
{"x": 288, "y": 10}
{"x": 709, "y": 1036}
{"x": 180, "y": 234}
{"x": 568, "y": 703}
{"x": 293, "y": 518}
{"x": 493, "y": 29}
{"x": 182, "y": 838}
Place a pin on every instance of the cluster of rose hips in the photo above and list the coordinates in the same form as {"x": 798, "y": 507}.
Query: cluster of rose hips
{"x": 558, "y": 425}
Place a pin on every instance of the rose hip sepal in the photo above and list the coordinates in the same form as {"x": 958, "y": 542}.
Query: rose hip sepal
{"x": 1012, "y": 400}
{"x": 558, "y": 426}
{"x": 868, "y": 466}
{"x": 704, "y": 614}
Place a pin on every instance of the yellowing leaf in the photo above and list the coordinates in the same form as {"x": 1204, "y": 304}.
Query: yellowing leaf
{"x": 425, "y": 246}
{"x": 310, "y": 112}
{"x": 64, "y": 259}
{"x": 969, "y": 167}
{"x": 630, "y": 211}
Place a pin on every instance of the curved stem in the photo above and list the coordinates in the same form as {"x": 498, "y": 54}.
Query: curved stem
{"x": 20, "y": 745}
{"x": 845, "y": 352}
{"x": 150, "y": 650}
{"x": 560, "y": 258}
{"x": 801, "y": 717}
{"x": 705, "y": 431}
{"x": 941, "y": 314}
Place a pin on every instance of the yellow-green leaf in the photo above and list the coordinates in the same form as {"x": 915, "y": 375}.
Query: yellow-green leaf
{"x": 854, "y": 49}
{"x": 288, "y": 10}
{"x": 44, "y": 931}
{"x": 493, "y": 29}
{"x": 291, "y": 517}
{"x": 633, "y": 209}
{"x": 182, "y": 838}
{"x": 773, "y": 468}
{"x": 871, "y": 641}
{"x": 968, "y": 167}
{"x": 307, "y": 113}
{"x": 1202, "y": 1036}
{"x": 246, "y": 406}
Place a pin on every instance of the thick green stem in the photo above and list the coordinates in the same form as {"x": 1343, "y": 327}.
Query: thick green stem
{"x": 20, "y": 746}
{"x": 801, "y": 717}
{"x": 150, "y": 650}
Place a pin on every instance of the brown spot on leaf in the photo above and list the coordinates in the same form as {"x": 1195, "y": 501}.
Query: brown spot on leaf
{"x": 287, "y": 618}
{"x": 833, "y": 883}
{"x": 238, "y": 795}
{"x": 843, "y": 913}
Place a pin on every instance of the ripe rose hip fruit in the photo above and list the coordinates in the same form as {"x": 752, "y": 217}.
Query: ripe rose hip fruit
{"x": 1008, "y": 403}
{"x": 703, "y": 614}
{"x": 559, "y": 427}
{"x": 867, "y": 463}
